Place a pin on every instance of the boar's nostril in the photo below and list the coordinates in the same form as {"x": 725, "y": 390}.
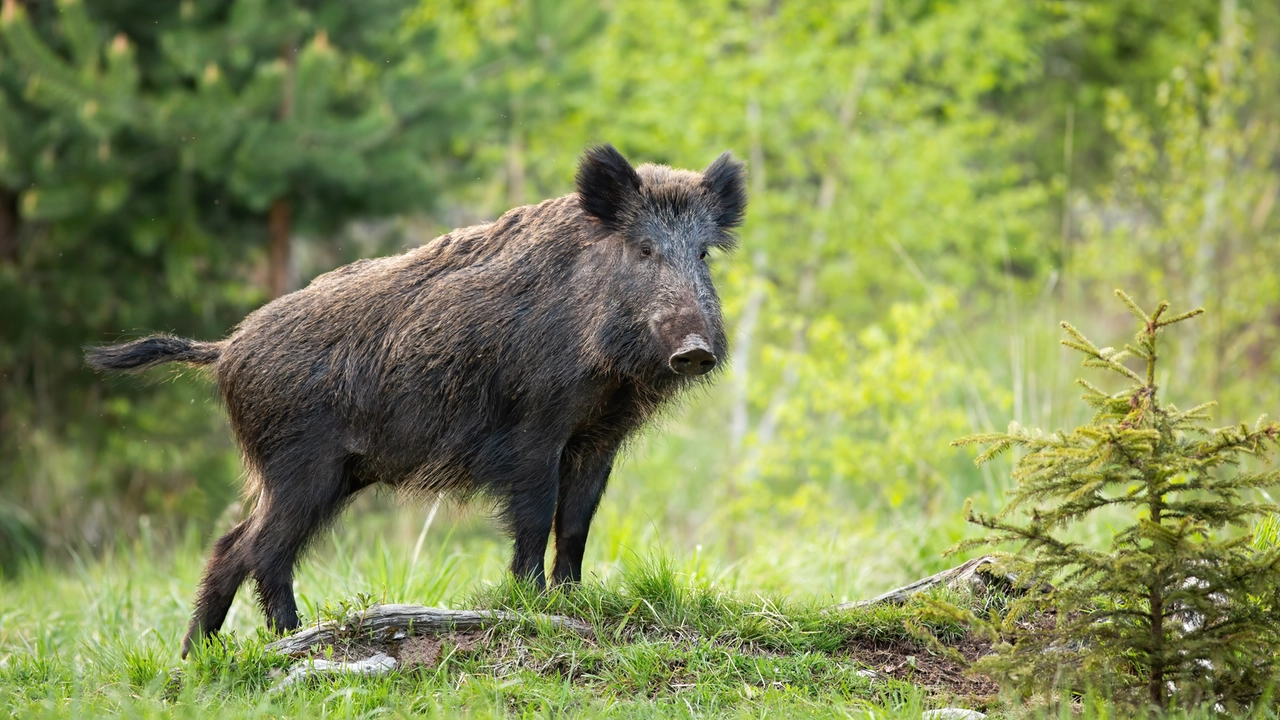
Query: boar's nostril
{"x": 693, "y": 362}
{"x": 693, "y": 357}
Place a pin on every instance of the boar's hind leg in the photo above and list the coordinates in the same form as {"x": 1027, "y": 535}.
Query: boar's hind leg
{"x": 297, "y": 501}
{"x": 581, "y": 486}
{"x": 228, "y": 564}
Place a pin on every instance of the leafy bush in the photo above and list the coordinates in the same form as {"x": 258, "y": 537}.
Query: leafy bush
{"x": 1180, "y": 607}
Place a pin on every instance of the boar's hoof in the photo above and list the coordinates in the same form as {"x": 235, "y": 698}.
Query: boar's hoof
{"x": 693, "y": 358}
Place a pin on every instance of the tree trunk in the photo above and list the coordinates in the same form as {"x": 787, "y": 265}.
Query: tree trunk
{"x": 280, "y": 216}
{"x": 8, "y": 226}
{"x": 806, "y": 285}
{"x": 1155, "y": 608}
{"x": 740, "y": 405}
{"x": 280, "y": 228}
{"x": 1155, "y": 685}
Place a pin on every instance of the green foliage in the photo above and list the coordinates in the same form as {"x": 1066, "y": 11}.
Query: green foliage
{"x": 869, "y": 412}
{"x": 928, "y": 180}
{"x": 909, "y": 165}
{"x": 141, "y": 146}
{"x": 1179, "y": 607}
{"x": 1189, "y": 211}
{"x": 838, "y": 400}
{"x": 902, "y": 154}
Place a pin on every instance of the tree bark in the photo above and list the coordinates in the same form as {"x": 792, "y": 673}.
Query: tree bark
{"x": 280, "y": 216}
{"x": 8, "y": 226}
{"x": 393, "y": 622}
{"x": 977, "y": 573}
{"x": 280, "y": 228}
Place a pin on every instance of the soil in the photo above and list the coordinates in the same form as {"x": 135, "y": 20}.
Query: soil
{"x": 425, "y": 651}
{"x": 411, "y": 653}
{"x": 915, "y": 663}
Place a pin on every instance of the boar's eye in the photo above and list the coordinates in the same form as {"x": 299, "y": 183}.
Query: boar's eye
{"x": 646, "y": 249}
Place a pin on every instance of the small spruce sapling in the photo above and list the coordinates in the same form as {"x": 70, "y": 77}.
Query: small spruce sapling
{"x": 1181, "y": 608}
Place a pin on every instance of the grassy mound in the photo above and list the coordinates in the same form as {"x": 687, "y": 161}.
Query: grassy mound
{"x": 665, "y": 644}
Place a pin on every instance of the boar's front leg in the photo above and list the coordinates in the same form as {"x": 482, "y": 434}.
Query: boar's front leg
{"x": 530, "y": 513}
{"x": 583, "y": 479}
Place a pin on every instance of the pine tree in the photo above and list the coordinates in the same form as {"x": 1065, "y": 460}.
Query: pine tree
{"x": 153, "y": 157}
{"x": 1180, "y": 607}
{"x": 292, "y": 112}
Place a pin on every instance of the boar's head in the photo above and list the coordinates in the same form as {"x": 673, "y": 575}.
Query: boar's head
{"x": 663, "y": 224}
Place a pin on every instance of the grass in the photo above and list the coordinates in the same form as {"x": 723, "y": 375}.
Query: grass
{"x": 676, "y": 635}
{"x": 675, "y": 638}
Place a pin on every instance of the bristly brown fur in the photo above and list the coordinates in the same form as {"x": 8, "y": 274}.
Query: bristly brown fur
{"x": 511, "y": 359}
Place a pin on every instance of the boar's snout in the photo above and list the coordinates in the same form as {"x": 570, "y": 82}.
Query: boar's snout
{"x": 693, "y": 357}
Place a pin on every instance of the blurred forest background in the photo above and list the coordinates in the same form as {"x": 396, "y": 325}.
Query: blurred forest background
{"x": 934, "y": 184}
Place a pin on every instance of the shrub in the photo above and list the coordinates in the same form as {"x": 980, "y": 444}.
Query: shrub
{"x": 1180, "y": 607}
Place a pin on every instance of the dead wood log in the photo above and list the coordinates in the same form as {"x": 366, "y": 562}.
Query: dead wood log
{"x": 379, "y": 664}
{"x": 383, "y": 623}
{"x": 976, "y": 574}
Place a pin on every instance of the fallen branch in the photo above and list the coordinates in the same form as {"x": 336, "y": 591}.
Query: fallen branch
{"x": 976, "y": 574}
{"x": 382, "y": 623}
{"x": 952, "y": 714}
{"x": 379, "y": 664}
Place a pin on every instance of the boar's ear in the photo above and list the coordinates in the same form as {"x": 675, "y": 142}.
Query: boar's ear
{"x": 726, "y": 180}
{"x": 607, "y": 184}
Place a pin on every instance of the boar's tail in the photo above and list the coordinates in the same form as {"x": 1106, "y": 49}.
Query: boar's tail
{"x": 151, "y": 351}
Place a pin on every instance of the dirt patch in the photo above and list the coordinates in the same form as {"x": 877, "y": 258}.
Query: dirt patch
{"x": 422, "y": 651}
{"x": 348, "y": 651}
{"x": 915, "y": 663}
{"x": 425, "y": 651}
{"x": 413, "y": 652}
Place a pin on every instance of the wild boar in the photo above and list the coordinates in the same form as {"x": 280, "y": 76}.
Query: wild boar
{"x": 510, "y": 359}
